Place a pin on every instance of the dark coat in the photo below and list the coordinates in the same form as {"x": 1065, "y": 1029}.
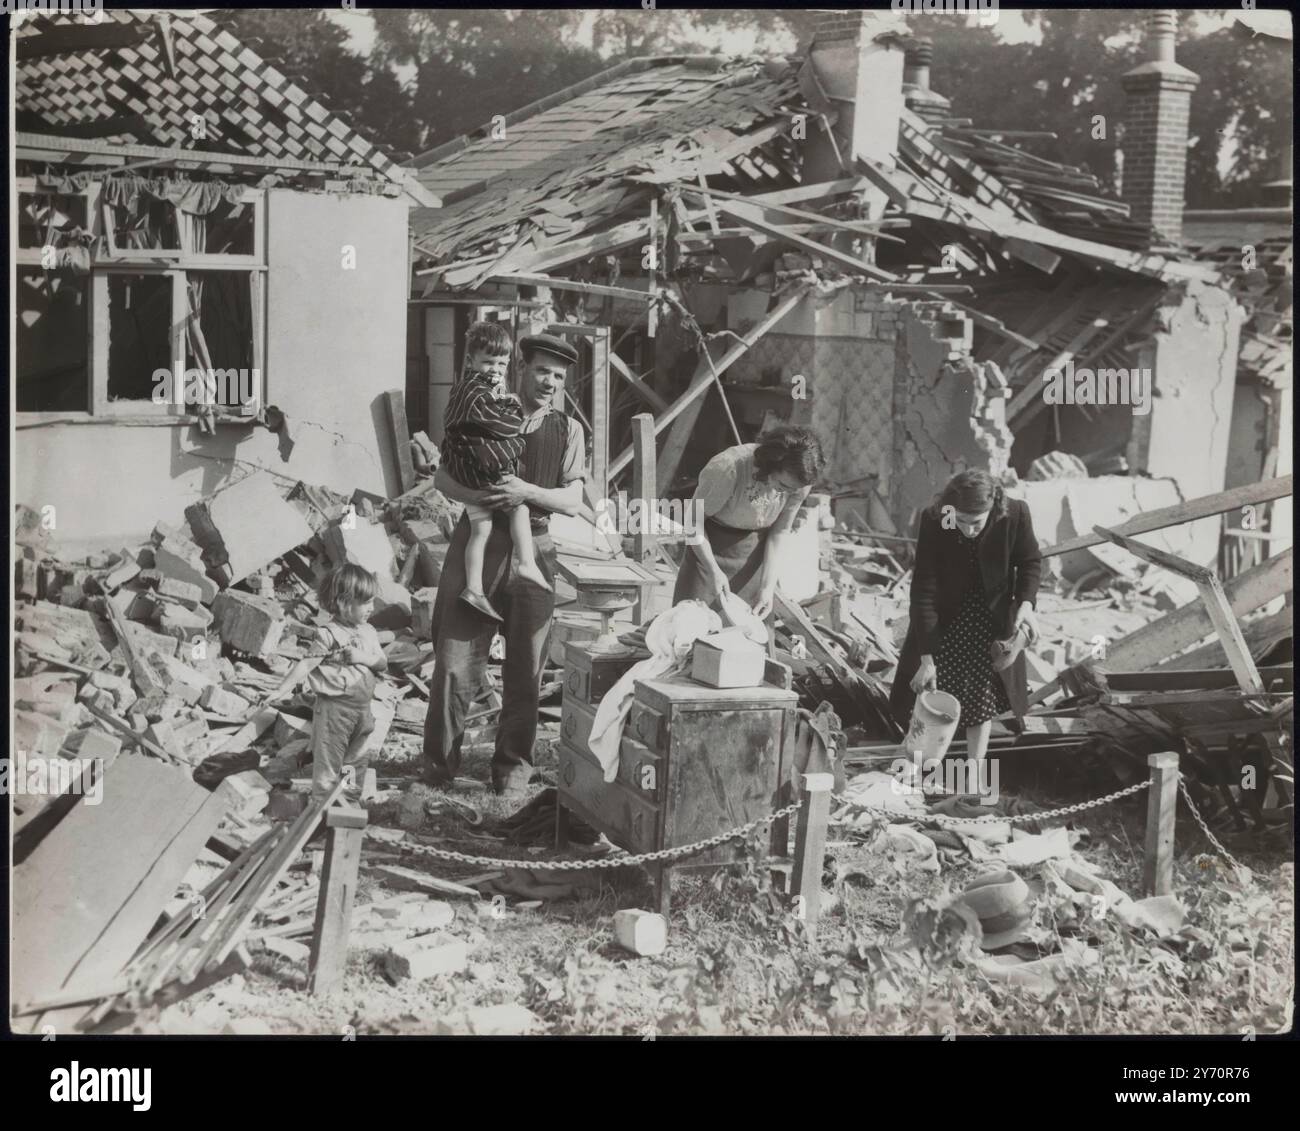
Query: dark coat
{"x": 1010, "y": 565}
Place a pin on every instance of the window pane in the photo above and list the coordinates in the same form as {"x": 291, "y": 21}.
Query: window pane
{"x": 139, "y": 334}
{"x": 149, "y": 225}
{"x": 225, "y": 339}
{"x": 39, "y": 212}
{"x": 229, "y": 230}
{"x": 52, "y": 342}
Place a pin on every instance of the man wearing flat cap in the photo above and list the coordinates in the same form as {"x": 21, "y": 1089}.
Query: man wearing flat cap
{"x": 551, "y": 473}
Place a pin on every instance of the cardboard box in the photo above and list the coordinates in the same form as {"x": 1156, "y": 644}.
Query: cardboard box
{"x": 728, "y": 659}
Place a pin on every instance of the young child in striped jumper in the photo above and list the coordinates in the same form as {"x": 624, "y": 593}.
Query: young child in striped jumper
{"x": 482, "y": 443}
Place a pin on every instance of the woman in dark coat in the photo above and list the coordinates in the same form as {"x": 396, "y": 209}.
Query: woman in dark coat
{"x": 975, "y": 581}
{"x": 748, "y": 498}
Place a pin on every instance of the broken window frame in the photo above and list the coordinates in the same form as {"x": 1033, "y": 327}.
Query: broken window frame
{"x": 133, "y": 261}
{"x": 183, "y": 256}
{"x": 27, "y": 186}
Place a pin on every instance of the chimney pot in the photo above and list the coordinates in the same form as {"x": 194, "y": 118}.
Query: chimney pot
{"x": 916, "y": 63}
{"x": 1162, "y": 26}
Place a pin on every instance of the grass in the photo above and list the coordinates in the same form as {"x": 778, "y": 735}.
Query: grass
{"x": 887, "y": 959}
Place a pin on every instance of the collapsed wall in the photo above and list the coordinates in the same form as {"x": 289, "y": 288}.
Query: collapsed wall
{"x": 949, "y": 410}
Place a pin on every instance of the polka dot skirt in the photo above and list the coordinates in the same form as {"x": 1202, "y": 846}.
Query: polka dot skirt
{"x": 964, "y": 667}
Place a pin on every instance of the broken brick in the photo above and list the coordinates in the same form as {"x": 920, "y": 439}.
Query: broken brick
{"x": 426, "y": 956}
{"x": 250, "y": 792}
{"x": 49, "y": 693}
{"x": 182, "y": 736}
{"x": 186, "y": 592}
{"x": 144, "y": 641}
{"x": 183, "y": 623}
{"x": 121, "y": 694}
{"x": 248, "y": 622}
{"x": 121, "y": 573}
{"x": 222, "y": 702}
{"x": 39, "y": 734}
{"x": 181, "y": 559}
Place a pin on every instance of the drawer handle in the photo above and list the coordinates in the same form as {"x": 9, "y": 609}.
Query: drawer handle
{"x": 567, "y": 773}
{"x": 643, "y": 723}
{"x": 638, "y": 822}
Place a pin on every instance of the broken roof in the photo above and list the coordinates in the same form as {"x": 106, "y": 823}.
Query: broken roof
{"x": 140, "y": 80}
{"x": 1253, "y": 248}
{"x": 559, "y": 168}
{"x": 534, "y": 186}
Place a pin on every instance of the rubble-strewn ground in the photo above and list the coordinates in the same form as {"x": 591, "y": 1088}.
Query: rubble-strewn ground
{"x": 738, "y": 964}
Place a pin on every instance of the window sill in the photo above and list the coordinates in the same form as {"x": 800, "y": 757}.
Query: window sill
{"x": 142, "y": 420}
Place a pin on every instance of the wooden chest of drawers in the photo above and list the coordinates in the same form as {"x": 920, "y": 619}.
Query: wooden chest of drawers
{"x": 694, "y": 761}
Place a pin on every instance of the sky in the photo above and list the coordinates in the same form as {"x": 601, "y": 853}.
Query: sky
{"x": 1011, "y": 25}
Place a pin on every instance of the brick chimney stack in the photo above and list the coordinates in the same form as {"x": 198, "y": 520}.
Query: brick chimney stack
{"x": 1155, "y": 135}
{"x": 916, "y": 81}
{"x": 855, "y": 67}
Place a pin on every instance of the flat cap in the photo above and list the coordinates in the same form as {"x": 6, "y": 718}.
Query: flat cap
{"x": 548, "y": 343}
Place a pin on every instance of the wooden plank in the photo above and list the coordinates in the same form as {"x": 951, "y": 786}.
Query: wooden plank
{"x": 1162, "y": 807}
{"x": 810, "y": 847}
{"x": 644, "y": 490}
{"x": 962, "y": 211}
{"x": 525, "y": 279}
{"x": 557, "y": 255}
{"x": 1166, "y": 679}
{"x": 707, "y": 374}
{"x": 1157, "y": 557}
{"x": 1261, "y": 636}
{"x": 1183, "y": 627}
{"x": 1240, "y": 660}
{"x": 338, "y": 885}
{"x": 89, "y": 893}
{"x": 647, "y": 393}
{"x": 1251, "y": 494}
{"x": 751, "y": 216}
{"x": 768, "y": 204}
{"x": 821, "y": 190}
{"x": 83, "y": 37}
{"x": 600, "y": 366}
{"x": 400, "y": 435}
{"x": 52, "y": 147}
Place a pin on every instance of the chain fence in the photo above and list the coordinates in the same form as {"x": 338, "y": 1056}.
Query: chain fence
{"x": 621, "y": 859}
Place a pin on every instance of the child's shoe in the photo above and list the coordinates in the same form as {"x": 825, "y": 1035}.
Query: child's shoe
{"x": 480, "y": 603}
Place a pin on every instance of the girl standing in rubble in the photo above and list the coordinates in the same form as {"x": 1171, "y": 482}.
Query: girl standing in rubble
{"x": 974, "y": 588}
{"x": 747, "y": 498}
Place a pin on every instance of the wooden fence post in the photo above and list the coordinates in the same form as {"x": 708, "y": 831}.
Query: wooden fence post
{"x": 810, "y": 847}
{"x": 1162, "y": 805}
{"x": 329, "y": 943}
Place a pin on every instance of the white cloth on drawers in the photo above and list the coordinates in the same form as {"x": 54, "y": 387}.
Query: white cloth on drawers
{"x": 670, "y": 637}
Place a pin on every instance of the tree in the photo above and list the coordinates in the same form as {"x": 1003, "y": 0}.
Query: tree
{"x": 311, "y": 49}
{"x": 473, "y": 64}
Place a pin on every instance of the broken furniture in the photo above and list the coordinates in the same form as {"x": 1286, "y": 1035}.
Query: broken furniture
{"x": 607, "y": 587}
{"x": 694, "y": 761}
